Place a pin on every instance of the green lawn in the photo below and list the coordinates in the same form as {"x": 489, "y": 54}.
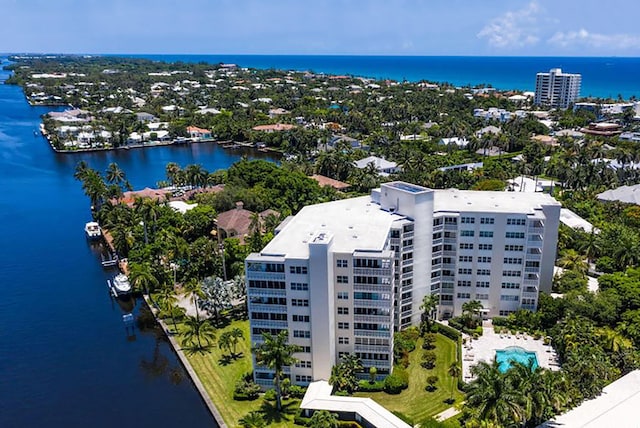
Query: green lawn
{"x": 415, "y": 402}
{"x": 219, "y": 375}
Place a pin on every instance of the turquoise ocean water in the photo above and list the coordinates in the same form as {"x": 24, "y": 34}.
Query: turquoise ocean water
{"x": 601, "y": 77}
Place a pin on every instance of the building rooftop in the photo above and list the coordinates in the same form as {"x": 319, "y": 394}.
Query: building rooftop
{"x": 616, "y": 406}
{"x": 627, "y": 194}
{"x": 356, "y": 223}
{"x": 318, "y": 397}
{"x": 505, "y": 202}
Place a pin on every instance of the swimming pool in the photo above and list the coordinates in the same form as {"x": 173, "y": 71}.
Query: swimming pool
{"x": 506, "y": 356}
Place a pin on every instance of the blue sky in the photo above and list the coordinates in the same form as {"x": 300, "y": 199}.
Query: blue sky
{"x": 361, "y": 27}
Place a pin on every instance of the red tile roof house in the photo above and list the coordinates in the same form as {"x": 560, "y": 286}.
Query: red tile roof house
{"x": 235, "y": 223}
{"x": 198, "y": 134}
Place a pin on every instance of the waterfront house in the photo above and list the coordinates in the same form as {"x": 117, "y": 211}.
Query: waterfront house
{"x": 198, "y": 134}
{"x": 274, "y": 128}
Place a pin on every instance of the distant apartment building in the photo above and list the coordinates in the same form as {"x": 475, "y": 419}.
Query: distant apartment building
{"x": 342, "y": 276}
{"x": 557, "y": 89}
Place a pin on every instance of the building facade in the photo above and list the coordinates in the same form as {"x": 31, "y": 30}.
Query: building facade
{"x": 343, "y": 276}
{"x": 557, "y": 89}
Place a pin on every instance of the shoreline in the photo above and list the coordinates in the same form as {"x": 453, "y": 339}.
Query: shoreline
{"x": 187, "y": 366}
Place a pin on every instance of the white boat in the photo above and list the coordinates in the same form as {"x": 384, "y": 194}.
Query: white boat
{"x": 120, "y": 284}
{"x": 92, "y": 229}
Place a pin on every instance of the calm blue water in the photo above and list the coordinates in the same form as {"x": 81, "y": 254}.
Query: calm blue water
{"x": 601, "y": 77}
{"x": 506, "y": 357}
{"x": 65, "y": 358}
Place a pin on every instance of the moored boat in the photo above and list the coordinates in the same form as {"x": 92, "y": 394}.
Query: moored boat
{"x": 92, "y": 229}
{"x": 120, "y": 285}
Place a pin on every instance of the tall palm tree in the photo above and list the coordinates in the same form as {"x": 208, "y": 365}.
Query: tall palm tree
{"x": 276, "y": 353}
{"x": 173, "y": 171}
{"x": 167, "y": 300}
{"x": 141, "y": 276}
{"x": 454, "y": 371}
{"x": 194, "y": 287}
{"x": 471, "y": 310}
{"x": 428, "y": 306}
{"x": 115, "y": 175}
{"x": 236, "y": 336}
{"x": 198, "y": 330}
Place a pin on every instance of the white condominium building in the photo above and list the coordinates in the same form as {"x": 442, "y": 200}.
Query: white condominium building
{"x": 342, "y": 276}
{"x": 557, "y": 89}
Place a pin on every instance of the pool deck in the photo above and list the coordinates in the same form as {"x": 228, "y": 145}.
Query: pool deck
{"x": 484, "y": 349}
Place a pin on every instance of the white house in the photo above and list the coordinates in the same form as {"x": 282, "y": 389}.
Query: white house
{"x": 383, "y": 166}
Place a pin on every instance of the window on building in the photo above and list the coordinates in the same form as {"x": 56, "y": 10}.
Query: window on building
{"x": 467, "y": 220}
{"x": 465, "y": 259}
{"x": 511, "y": 273}
{"x": 299, "y": 318}
{"x": 514, "y": 247}
{"x": 510, "y": 298}
{"x": 343, "y": 340}
{"x": 516, "y": 222}
{"x": 342, "y": 263}
{"x": 299, "y": 286}
{"x": 512, "y": 261}
{"x": 343, "y": 295}
{"x": 486, "y": 247}
{"x": 466, "y": 246}
{"x": 486, "y": 234}
{"x": 487, "y": 220}
{"x": 467, "y": 233}
{"x": 464, "y": 295}
{"x": 484, "y": 259}
{"x": 514, "y": 235}
{"x": 343, "y": 326}
{"x": 299, "y": 302}
{"x": 464, "y": 283}
{"x": 342, "y": 279}
{"x": 343, "y": 310}
{"x": 302, "y": 270}
{"x": 303, "y": 334}
{"x": 483, "y": 272}
{"x": 482, "y": 284}
{"x": 511, "y": 285}
{"x": 465, "y": 271}
{"x": 482, "y": 296}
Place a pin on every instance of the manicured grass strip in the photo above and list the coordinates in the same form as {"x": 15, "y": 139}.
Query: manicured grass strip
{"x": 415, "y": 402}
{"x": 219, "y": 374}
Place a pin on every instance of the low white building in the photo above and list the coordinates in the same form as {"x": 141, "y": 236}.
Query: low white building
{"x": 617, "y": 406}
{"x": 383, "y": 166}
{"x": 458, "y": 141}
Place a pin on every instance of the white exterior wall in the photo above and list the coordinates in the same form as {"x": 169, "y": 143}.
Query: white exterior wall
{"x": 321, "y": 294}
{"x": 557, "y": 89}
{"x": 395, "y": 227}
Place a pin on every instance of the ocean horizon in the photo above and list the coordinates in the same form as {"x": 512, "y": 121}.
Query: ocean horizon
{"x": 603, "y": 77}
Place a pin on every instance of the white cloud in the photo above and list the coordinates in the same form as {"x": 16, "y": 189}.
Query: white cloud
{"x": 583, "y": 37}
{"x": 513, "y": 29}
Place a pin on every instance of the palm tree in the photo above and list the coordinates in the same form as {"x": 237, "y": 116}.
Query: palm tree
{"x": 428, "y": 306}
{"x": 224, "y": 342}
{"x": 167, "y": 300}
{"x": 194, "y": 287}
{"x": 115, "y": 175}
{"x": 81, "y": 170}
{"x": 490, "y": 398}
{"x": 173, "y": 171}
{"x": 471, "y": 311}
{"x": 454, "y": 372}
{"x": 198, "y": 330}
{"x": 141, "y": 276}
{"x": 612, "y": 340}
{"x": 253, "y": 419}
{"x": 236, "y": 336}
{"x": 323, "y": 419}
{"x": 275, "y": 353}
{"x": 574, "y": 261}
